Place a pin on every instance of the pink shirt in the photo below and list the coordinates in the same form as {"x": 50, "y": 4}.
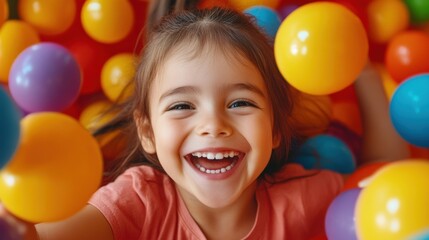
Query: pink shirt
{"x": 143, "y": 203}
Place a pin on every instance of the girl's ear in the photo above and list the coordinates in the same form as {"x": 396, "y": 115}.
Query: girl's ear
{"x": 144, "y": 131}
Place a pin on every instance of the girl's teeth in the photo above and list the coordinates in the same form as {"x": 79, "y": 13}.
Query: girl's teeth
{"x": 213, "y": 156}
{"x": 215, "y": 171}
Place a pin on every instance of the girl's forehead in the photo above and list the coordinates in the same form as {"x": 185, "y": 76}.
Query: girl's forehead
{"x": 210, "y": 51}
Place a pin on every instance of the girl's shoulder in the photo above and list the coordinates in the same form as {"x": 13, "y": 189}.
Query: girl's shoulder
{"x": 293, "y": 180}
{"x": 294, "y": 201}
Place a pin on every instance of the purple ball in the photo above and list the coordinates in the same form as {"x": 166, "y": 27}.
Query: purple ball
{"x": 45, "y": 77}
{"x": 340, "y": 217}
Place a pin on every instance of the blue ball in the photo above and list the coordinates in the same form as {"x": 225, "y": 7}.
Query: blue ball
{"x": 266, "y": 18}
{"x": 409, "y": 110}
{"x": 9, "y": 127}
{"x": 326, "y": 152}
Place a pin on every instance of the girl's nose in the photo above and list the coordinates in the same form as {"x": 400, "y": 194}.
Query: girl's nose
{"x": 214, "y": 126}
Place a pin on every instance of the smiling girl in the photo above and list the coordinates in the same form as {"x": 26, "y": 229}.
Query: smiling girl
{"x": 209, "y": 130}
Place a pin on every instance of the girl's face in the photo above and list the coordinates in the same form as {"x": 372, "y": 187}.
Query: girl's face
{"x": 211, "y": 122}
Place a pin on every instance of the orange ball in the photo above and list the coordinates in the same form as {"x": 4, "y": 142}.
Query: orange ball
{"x": 56, "y": 169}
{"x": 107, "y": 21}
{"x": 15, "y": 36}
{"x": 407, "y": 55}
{"x": 49, "y": 17}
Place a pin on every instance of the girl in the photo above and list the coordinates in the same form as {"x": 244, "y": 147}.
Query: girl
{"x": 210, "y": 125}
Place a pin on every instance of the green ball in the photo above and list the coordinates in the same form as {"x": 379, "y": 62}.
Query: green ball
{"x": 419, "y": 10}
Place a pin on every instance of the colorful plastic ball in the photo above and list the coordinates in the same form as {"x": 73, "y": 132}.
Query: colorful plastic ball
{"x": 9, "y": 127}
{"x": 419, "y": 10}
{"x": 395, "y": 202}
{"x": 9, "y": 231}
{"x": 15, "y": 36}
{"x": 340, "y": 216}
{"x": 45, "y": 77}
{"x": 93, "y": 115}
{"x": 409, "y": 110}
{"x": 4, "y": 11}
{"x": 386, "y": 18}
{"x": 49, "y": 17}
{"x": 325, "y": 152}
{"x": 116, "y": 74}
{"x": 107, "y": 21}
{"x": 244, "y": 4}
{"x": 57, "y": 167}
{"x": 406, "y": 54}
{"x": 321, "y": 53}
{"x": 266, "y": 18}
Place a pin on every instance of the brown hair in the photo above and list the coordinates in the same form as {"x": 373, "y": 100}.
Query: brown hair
{"x": 159, "y": 8}
{"x": 204, "y": 28}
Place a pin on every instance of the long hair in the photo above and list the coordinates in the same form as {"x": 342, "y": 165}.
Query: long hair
{"x": 227, "y": 30}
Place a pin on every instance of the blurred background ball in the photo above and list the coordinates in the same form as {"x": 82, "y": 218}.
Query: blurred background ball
{"x": 15, "y": 36}
{"x": 386, "y": 18}
{"x": 406, "y": 54}
{"x": 49, "y": 17}
{"x": 419, "y": 10}
{"x": 9, "y": 127}
{"x": 45, "y": 77}
{"x": 107, "y": 21}
{"x": 267, "y": 19}
{"x": 325, "y": 152}
{"x": 117, "y": 72}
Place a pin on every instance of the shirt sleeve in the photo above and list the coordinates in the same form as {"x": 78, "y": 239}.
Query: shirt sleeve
{"x": 122, "y": 206}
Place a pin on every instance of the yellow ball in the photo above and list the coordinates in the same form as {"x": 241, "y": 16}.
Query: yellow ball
{"x": 49, "y": 17}
{"x": 394, "y": 205}
{"x": 107, "y": 21}
{"x": 57, "y": 167}
{"x": 15, "y": 36}
{"x": 386, "y": 19}
{"x": 321, "y": 47}
{"x": 116, "y": 74}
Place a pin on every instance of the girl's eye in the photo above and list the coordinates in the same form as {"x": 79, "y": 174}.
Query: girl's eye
{"x": 241, "y": 103}
{"x": 180, "y": 106}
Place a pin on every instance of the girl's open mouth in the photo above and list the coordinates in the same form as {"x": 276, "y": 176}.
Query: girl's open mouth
{"x": 214, "y": 162}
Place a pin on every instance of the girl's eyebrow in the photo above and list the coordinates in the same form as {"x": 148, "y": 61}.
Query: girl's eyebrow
{"x": 249, "y": 87}
{"x": 193, "y": 90}
{"x": 179, "y": 90}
